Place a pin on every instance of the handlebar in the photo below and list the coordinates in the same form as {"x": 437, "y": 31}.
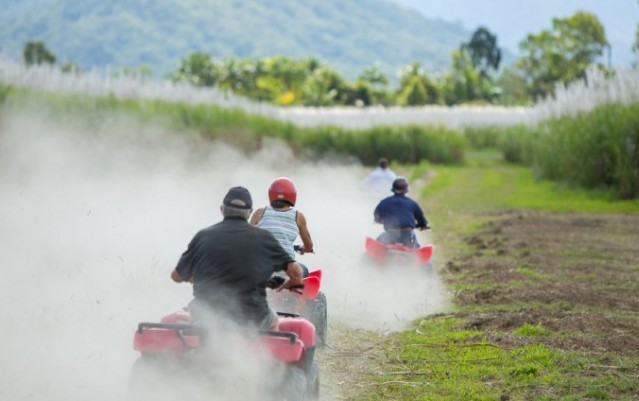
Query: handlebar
{"x": 299, "y": 248}
{"x": 276, "y": 282}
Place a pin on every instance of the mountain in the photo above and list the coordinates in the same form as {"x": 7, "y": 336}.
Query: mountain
{"x": 348, "y": 35}
{"x": 512, "y": 20}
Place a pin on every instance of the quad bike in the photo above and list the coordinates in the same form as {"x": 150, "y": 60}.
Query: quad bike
{"x": 176, "y": 344}
{"x": 380, "y": 254}
{"x": 306, "y": 305}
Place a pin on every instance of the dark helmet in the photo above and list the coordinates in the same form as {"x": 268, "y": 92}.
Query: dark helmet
{"x": 400, "y": 185}
{"x": 284, "y": 189}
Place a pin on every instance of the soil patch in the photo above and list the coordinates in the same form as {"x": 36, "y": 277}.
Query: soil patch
{"x": 573, "y": 274}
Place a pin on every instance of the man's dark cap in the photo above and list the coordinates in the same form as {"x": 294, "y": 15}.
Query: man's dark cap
{"x": 239, "y": 198}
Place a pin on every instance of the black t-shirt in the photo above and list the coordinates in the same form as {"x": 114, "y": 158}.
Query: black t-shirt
{"x": 230, "y": 263}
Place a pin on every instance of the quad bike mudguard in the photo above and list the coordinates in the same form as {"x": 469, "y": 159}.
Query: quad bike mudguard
{"x": 310, "y": 305}
{"x": 169, "y": 337}
{"x": 381, "y": 252}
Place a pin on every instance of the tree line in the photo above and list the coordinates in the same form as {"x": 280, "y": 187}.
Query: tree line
{"x": 560, "y": 54}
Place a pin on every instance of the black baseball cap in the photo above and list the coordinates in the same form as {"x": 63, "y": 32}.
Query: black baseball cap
{"x": 239, "y": 198}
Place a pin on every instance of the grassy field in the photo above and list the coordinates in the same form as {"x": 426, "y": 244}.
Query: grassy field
{"x": 544, "y": 282}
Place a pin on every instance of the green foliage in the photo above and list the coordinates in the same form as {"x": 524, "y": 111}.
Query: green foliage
{"x": 323, "y": 87}
{"x": 5, "y": 90}
{"x": 596, "y": 150}
{"x": 483, "y": 50}
{"x": 516, "y": 141}
{"x": 562, "y": 54}
{"x": 464, "y": 83}
{"x": 36, "y": 52}
{"x": 517, "y": 144}
{"x": 513, "y": 87}
{"x": 198, "y": 69}
{"x": 416, "y": 88}
{"x": 483, "y": 137}
{"x": 404, "y": 144}
{"x": 374, "y": 76}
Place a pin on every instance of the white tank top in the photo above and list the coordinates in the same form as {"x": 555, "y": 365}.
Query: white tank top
{"x": 283, "y": 226}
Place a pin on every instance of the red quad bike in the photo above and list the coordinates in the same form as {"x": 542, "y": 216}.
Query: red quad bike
{"x": 380, "y": 254}
{"x": 307, "y": 305}
{"x": 177, "y": 345}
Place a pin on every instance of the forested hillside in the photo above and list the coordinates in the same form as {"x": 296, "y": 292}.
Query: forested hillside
{"x": 347, "y": 35}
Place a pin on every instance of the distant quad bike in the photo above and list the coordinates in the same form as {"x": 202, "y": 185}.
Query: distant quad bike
{"x": 175, "y": 344}
{"x": 383, "y": 255}
{"x": 314, "y": 308}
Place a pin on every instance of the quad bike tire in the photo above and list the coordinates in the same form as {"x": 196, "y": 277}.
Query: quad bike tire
{"x": 367, "y": 261}
{"x": 294, "y": 387}
{"x": 316, "y": 311}
{"x": 313, "y": 383}
{"x": 147, "y": 371}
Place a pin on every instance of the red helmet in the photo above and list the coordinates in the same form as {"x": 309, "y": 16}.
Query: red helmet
{"x": 284, "y": 189}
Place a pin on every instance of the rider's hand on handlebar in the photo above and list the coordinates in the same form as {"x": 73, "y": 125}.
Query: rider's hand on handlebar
{"x": 301, "y": 250}
{"x": 275, "y": 282}
{"x": 280, "y": 283}
{"x": 292, "y": 285}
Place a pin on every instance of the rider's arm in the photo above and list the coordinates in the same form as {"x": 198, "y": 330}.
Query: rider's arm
{"x": 305, "y": 235}
{"x": 257, "y": 216}
{"x": 377, "y": 214}
{"x": 184, "y": 269}
{"x": 175, "y": 276}
{"x": 294, "y": 273}
{"x": 419, "y": 216}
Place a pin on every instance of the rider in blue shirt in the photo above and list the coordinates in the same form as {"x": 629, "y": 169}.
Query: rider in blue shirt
{"x": 400, "y": 215}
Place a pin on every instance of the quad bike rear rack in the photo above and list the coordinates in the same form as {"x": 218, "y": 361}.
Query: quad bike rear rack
{"x": 182, "y": 329}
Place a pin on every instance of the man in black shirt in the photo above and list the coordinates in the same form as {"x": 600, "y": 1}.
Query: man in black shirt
{"x": 229, "y": 264}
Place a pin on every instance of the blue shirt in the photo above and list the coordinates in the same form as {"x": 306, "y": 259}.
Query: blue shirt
{"x": 399, "y": 212}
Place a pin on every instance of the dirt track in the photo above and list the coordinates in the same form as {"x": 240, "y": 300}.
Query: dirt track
{"x": 575, "y": 275}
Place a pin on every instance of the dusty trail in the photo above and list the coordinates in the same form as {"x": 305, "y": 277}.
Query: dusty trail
{"x": 94, "y": 218}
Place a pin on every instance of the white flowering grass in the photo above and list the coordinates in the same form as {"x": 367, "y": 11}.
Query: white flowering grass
{"x": 585, "y": 95}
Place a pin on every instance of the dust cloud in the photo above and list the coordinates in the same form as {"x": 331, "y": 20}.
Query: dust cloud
{"x": 95, "y": 215}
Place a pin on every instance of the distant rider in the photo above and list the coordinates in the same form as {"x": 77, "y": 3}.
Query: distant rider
{"x": 229, "y": 264}
{"x": 378, "y": 181}
{"x": 400, "y": 215}
{"x": 283, "y": 220}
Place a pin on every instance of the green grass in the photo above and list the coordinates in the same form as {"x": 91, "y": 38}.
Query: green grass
{"x": 436, "y": 360}
{"x": 490, "y": 184}
{"x": 529, "y": 330}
